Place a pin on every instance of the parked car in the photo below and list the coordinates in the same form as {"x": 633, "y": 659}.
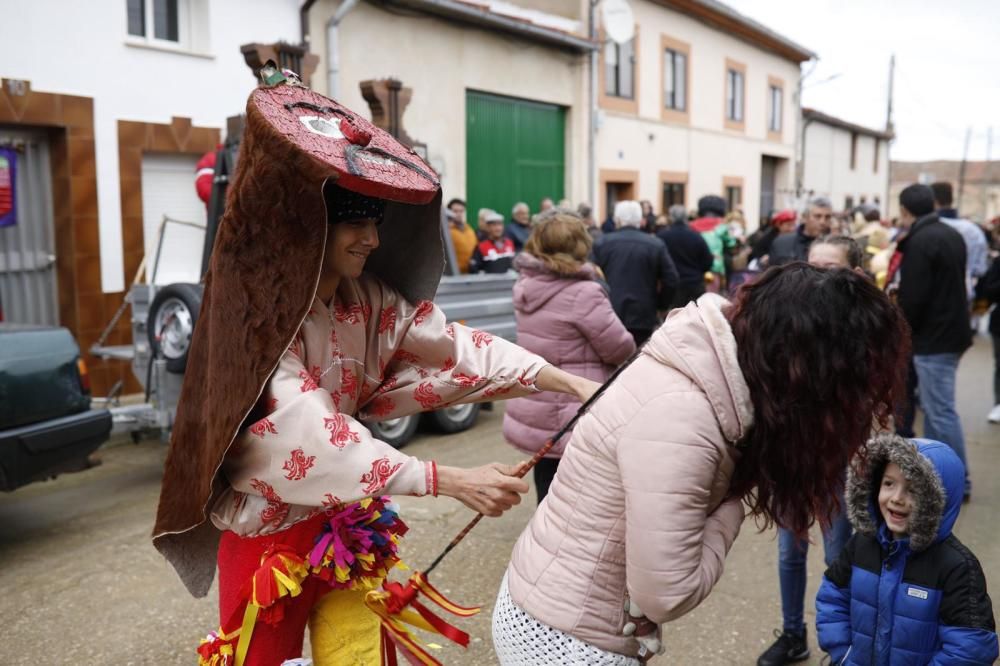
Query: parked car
{"x": 47, "y": 426}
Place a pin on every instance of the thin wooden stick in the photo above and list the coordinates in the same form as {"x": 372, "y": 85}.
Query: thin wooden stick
{"x": 538, "y": 456}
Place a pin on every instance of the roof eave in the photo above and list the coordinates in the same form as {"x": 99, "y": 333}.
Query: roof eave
{"x": 474, "y": 15}
{"x": 718, "y": 15}
{"x": 826, "y": 119}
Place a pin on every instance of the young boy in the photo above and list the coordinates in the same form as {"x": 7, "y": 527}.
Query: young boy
{"x": 905, "y": 590}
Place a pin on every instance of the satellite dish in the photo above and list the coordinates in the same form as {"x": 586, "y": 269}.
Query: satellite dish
{"x": 619, "y": 23}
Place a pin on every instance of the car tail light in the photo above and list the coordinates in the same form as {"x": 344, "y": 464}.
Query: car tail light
{"x": 81, "y": 368}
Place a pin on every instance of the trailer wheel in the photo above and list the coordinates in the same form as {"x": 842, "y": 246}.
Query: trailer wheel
{"x": 170, "y": 325}
{"x": 395, "y": 432}
{"x": 454, "y": 419}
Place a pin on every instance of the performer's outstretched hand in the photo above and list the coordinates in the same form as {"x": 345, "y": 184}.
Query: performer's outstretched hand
{"x": 490, "y": 489}
{"x": 551, "y": 378}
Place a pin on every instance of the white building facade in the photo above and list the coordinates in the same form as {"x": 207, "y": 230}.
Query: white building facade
{"x": 847, "y": 163}
{"x": 107, "y": 106}
{"x": 707, "y": 105}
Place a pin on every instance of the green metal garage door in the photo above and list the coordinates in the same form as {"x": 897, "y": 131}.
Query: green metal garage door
{"x": 515, "y": 151}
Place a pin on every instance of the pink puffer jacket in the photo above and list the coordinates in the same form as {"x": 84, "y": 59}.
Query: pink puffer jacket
{"x": 637, "y": 506}
{"x": 568, "y": 321}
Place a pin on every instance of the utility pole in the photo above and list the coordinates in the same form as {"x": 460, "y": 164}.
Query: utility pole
{"x": 890, "y": 132}
{"x": 986, "y": 170}
{"x": 961, "y": 169}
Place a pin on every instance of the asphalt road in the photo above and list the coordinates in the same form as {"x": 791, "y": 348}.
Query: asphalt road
{"x": 81, "y": 583}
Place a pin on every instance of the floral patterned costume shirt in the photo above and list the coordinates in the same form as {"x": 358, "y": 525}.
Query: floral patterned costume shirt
{"x": 372, "y": 356}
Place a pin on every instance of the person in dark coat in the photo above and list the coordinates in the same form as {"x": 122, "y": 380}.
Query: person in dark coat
{"x": 520, "y": 225}
{"x": 794, "y": 246}
{"x": 690, "y": 254}
{"x": 905, "y": 590}
{"x": 782, "y": 222}
{"x": 988, "y": 289}
{"x": 932, "y": 294}
{"x": 640, "y": 273}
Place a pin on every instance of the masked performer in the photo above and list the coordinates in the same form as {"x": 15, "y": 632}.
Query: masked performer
{"x": 317, "y": 316}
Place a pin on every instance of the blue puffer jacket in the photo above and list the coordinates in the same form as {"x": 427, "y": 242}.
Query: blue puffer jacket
{"x": 920, "y": 600}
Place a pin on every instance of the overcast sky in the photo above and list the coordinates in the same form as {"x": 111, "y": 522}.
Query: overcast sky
{"x": 947, "y": 66}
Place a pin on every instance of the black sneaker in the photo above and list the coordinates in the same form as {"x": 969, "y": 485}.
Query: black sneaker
{"x": 787, "y": 649}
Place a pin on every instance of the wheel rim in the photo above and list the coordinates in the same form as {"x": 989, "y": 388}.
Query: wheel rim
{"x": 174, "y": 326}
{"x": 458, "y": 412}
{"x": 394, "y": 427}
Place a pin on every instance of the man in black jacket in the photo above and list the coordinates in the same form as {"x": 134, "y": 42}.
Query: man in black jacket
{"x": 639, "y": 271}
{"x": 690, "y": 254}
{"x": 816, "y": 222}
{"x": 933, "y": 297}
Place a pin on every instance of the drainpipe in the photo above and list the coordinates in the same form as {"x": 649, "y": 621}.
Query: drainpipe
{"x": 592, "y": 133}
{"x": 333, "y": 48}
{"x": 304, "y": 22}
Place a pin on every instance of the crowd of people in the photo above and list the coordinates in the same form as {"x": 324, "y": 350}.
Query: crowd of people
{"x": 589, "y": 296}
{"x": 782, "y": 403}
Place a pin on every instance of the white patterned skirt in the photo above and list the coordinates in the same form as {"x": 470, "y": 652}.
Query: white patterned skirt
{"x": 521, "y": 640}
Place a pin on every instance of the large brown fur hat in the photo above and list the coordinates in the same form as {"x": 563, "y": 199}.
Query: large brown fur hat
{"x": 262, "y": 279}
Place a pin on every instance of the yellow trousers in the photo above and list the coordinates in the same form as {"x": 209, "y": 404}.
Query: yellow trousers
{"x": 342, "y": 630}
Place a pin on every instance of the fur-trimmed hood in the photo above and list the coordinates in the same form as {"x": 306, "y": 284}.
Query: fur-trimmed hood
{"x": 262, "y": 279}
{"x": 935, "y": 478}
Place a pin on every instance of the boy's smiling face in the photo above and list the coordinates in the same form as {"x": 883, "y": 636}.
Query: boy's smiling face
{"x": 894, "y": 501}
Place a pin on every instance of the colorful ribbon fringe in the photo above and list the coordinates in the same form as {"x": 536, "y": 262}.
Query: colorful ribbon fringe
{"x": 355, "y": 551}
{"x": 397, "y": 606}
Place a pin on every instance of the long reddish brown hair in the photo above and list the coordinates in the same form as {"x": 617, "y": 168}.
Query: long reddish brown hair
{"x": 824, "y": 354}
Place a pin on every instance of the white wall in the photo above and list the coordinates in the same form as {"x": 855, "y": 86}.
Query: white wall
{"x": 440, "y": 60}
{"x": 80, "y": 48}
{"x": 827, "y": 166}
{"x": 703, "y": 148}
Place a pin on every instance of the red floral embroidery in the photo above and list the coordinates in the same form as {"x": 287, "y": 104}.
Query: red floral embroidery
{"x": 449, "y": 330}
{"x": 334, "y": 345}
{"x": 272, "y": 404}
{"x": 366, "y": 392}
{"x": 366, "y": 311}
{"x": 340, "y": 431}
{"x": 298, "y": 465}
{"x": 404, "y": 356}
{"x": 387, "y": 320}
{"x": 425, "y": 395}
{"x": 310, "y": 379}
{"x": 381, "y": 406}
{"x": 524, "y": 381}
{"x": 481, "y": 338}
{"x": 496, "y": 391}
{"x": 376, "y": 479}
{"x": 332, "y": 503}
{"x": 348, "y": 382}
{"x": 262, "y": 428}
{"x": 449, "y": 364}
{"x": 351, "y": 314}
{"x": 336, "y": 397}
{"x": 276, "y": 510}
{"x": 387, "y": 385}
{"x": 424, "y": 310}
{"x": 465, "y": 380}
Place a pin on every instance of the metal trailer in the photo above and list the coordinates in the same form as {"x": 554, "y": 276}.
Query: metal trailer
{"x": 163, "y": 319}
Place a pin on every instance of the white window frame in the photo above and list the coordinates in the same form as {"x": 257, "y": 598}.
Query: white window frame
{"x": 735, "y": 94}
{"x": 183, "y": 42}
{"x": 776, "y": 95}
{"x": 674, "y": 63}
